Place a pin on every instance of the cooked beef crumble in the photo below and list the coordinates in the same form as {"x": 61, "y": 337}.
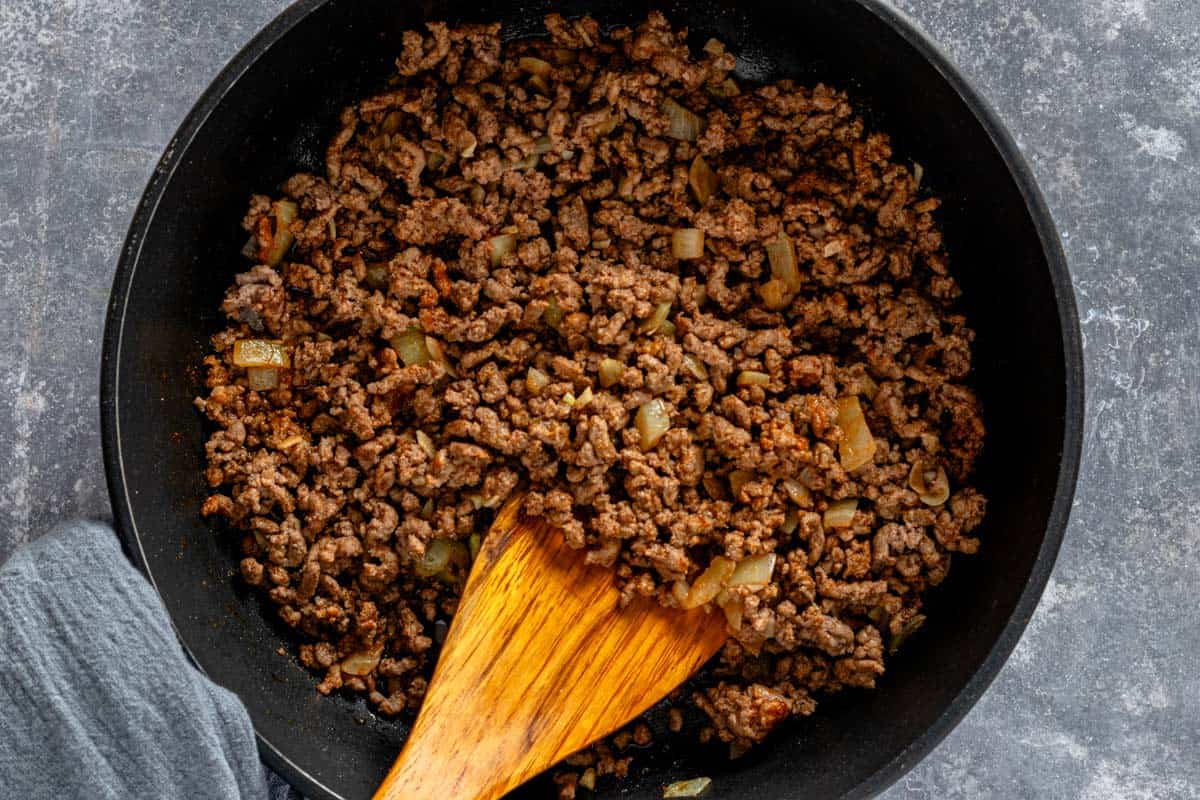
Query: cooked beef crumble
{"x": 704, "y": 326}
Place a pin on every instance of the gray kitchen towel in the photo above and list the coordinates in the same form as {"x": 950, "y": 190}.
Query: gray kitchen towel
{"x": 97, "y": 698}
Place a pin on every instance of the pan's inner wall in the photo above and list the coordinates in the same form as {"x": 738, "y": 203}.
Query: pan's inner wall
{"x": 276, "y": 119}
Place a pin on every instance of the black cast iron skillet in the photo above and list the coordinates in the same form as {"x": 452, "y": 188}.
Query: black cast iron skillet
{"x": 270, "y": 113}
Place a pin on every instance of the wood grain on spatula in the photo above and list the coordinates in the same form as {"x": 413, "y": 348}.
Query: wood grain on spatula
{"x": 539, "y": 662}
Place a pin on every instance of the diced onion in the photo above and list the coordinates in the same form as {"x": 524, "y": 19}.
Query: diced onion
{"x": 732, "y": 607}
{"x": 584, "y": 398}
{"x": 554, "y": 314}
{"x": 653, "y": 420}
{"x": 908, "y": 629}
{"x": 775, "y": 294}
{"x": 502, "y": 246}
{"x": 933, "y": 491}
{"x": 261, "y": 353}
{"x": 684, "y": 124}
{"x": 655, "y": 320}
{"x": 291, "y": 441}
{"x": 710, "y": 583}
{"x": 540, "y": 85}
{"x": 437, "y": 555}
{"x": 474, "y": 544}
{"x": 667, "y": 329}
{"x": 377, "y": 276}
{"x": 286, "y": 212}
{"x": 702, "y": 179}
{"x": 726, "y": 88}
{"x": 362, "y": 663}
{"x": 680, "y": 591}
{"x": 841, "y": 513}
{"x": 797, "y": 492}
{"x": 782, "y": 256}
{"x": 749, "y": 377}
{"x": 426, "y": 443}
{"x": 610, "y": 371}
{"x": 791, "y": 521}
{"x": 693, "y": 787}
{"x": 858, "y": 445}
{"x": 536, "y": 380}
{"x": 438, "y": 354}
{"x": 262, "y": 379}
{"x": 753, "y": 571}
{"x": 542, "y": 145}
{"x": 534, "y": 66}
{"x": 687, "y": 243}
{"x": 918, "y": 173}
{"x": 737, "y": 479}
{"x": 694, "y": 368}
{"x": 411, "y": 347}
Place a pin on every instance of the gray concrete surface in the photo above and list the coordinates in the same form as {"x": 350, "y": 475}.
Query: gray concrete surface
{"x": 1102, "y": 697}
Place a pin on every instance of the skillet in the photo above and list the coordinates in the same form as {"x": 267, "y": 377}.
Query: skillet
{"x": 270, "y": 113}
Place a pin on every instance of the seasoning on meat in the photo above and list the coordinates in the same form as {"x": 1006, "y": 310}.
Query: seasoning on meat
{"x": 707, "y": 326}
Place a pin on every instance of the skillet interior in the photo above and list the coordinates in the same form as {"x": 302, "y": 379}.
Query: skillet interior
{"x": 271, "y": 113}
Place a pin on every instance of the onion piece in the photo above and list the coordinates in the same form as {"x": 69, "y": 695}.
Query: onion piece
{"x": 540, "y": 85}
{"x": 411, "y": 347}
{"x": 585, "y": 397}
{"x": 362, "y": 663}
{"x": 841, "y": 514}
{"x": 554, "y": 314}
{"x": 726, "y": 88}
{"x": 426, "y": 443}
{"x": 437, "y": 556}
{"x": 683, "y": 124}
{"x": 474, "y": 544}
{"x": 536, "y": 380}
{"x": 797, "y": 492}
{"x": 732, "y": 607}
{"x": 610, "y": 371}
{"x": 680, "y": 591}
{"x": 542, "y": 145}
{"x": 653, "y": 420}
{"x": 930, "y": 483}
{"x": 290, "y": 442}
{"x": 261, "y": 353}
{"x": 908, "y": 629}
{"x": 703, "y": 180}
{"x": 737, "y": 479}
{"x": 753, "y": 571}
{"x": 711, "y": 582}
{"x": 655, "y": 320}
{"x": 687, "y": 243}
{"x": 749, "y": 377}
{"x": 858, "y": 445}
{"x": 791, "y": 521}
{"x": 694, "y": 368}
{"x": 438, "y": 354}
{"x": 534, "y": 66}
{"x": 262, "y": 379}
{"x": 782, "y": 256}
{"x": 285, "y": 212}
{"x": 693, "y": 787}
{"x": 503, "y": 245}
{"x": 377, "y": 276}
{"x": 775, "y": 294}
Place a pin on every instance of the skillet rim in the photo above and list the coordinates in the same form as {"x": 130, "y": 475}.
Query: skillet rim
{"x": 1018, "y": 168}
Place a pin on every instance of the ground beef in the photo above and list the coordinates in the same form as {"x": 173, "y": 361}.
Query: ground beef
{"x": 482, "y": 292}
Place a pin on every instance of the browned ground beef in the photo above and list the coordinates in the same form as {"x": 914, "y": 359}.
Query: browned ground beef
{"x": 341, "y": 499}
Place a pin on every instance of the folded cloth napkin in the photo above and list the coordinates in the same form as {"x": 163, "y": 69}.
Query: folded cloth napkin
{"x": 97, "y": 698}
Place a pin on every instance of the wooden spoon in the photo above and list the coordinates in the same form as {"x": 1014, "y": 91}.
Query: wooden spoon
{"x": 538, "y": 663}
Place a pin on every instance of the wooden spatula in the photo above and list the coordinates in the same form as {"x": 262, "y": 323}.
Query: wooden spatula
{"x": 538, "y": 663}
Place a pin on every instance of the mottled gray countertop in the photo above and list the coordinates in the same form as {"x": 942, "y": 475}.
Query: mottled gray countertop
{"x": 1102, "y": 697}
